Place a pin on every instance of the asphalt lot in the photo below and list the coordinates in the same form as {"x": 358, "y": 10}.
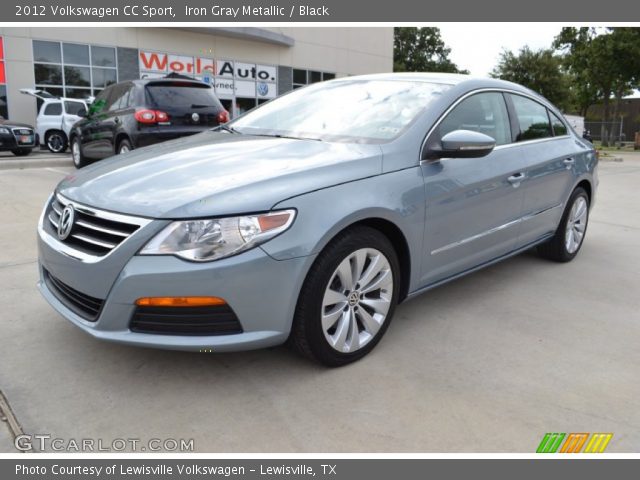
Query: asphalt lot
{"x": 488, "y": 363}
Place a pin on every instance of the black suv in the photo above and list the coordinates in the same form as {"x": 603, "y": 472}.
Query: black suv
{"x": 137, "y": 113}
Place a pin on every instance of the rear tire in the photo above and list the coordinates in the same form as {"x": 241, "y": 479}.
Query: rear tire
{"x": 348, "y": 298}
{"x": 56, "y": 141}
{"x": 79, "y": 160}
{"x": 21, "y": 152}
{"x": 124, "y": 146}
{"x": 568, "y": 239}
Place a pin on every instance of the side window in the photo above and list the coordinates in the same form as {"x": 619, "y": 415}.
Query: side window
{"x": 559, "y": 128}
{"x": 99, "y": 105}
{"x": 74, "y": 108}
{"x": 533, "y": 119}
{"x": 53, "y": 109}
{"x": 483, "y": 112}
{"x": 120, "y": 97}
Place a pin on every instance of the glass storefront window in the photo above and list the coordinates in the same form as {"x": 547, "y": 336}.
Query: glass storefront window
{"x": 77, "y": 76}
{"x": 46, "y": 52}
{"x": 48, "y": 74}
{"x": 75, "y": 70}
{"x": 103, "y": 56}
{"x": 244, "y": 105}
{"x": 315, "y": 77}
{"x": 75, "y": 54}
{"x": 103, "y": 77}
{"x": 82, "y": 93}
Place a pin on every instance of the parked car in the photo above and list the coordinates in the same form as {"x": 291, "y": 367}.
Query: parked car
{"x": 310, "y": 218}
{"x": 56, "y": 116}
{"x": 138, "y": 113}
{"x": 18, "y": 138}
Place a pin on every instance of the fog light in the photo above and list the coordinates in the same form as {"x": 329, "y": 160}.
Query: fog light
{"x": 179, "y": 301}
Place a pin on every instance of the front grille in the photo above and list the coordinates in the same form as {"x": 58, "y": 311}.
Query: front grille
{"x": 217, "y": 320}
{"x": 80, "y": 303}
{"x": 94, "y": 232}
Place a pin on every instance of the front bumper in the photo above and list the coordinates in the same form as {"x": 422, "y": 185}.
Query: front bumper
{"x": 261, "y": 291}
{"x": 12, "y": 141}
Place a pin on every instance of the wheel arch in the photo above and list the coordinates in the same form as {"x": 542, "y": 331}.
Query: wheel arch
{"x": 118, "y": 138}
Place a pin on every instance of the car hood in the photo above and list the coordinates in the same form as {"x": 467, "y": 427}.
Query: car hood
{"x": 217, "y": 174}
{"x": 10, "y": 123}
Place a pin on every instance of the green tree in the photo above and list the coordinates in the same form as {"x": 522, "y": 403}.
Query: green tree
{"x": 421, "y": 50}
{"x": 603, "y": 64}
{"x": 538, "y": 70}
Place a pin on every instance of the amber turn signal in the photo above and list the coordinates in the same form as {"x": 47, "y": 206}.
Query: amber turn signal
{"x": 180, "y": 301}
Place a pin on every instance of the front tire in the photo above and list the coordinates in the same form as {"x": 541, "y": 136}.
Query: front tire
{"x": 348, "y": 298}
{"x": 79, "y": 160}
{"x": 566, "y": 243}
{"x": 56, "y": 141}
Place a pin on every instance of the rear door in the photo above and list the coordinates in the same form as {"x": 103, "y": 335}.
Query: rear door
{"x": 548, "y": 154}
{"x": 74, "y": 110}
{"x": 91, "y": 128}
{"x": 473, "y": 204}
{"x": 191, "y": 105}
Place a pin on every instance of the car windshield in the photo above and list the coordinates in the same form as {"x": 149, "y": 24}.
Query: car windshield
{"x": 369, "y": 111}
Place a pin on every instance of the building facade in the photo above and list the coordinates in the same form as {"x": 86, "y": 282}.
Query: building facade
{"x": 246, "y": 66}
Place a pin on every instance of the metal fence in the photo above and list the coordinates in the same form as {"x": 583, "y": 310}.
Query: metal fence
{"x": 614, "y": 131}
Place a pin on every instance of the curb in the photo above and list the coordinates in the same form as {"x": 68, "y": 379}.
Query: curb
{"x": 22, "y": 163}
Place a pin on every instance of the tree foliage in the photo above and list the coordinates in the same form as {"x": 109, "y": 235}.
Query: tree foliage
{"x": 540, "y": 70}
{"x": 603, "y": 64}
{"x": 421, "y": 50}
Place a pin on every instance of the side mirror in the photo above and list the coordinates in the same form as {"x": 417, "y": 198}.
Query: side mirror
{"x": 462, "y": 144}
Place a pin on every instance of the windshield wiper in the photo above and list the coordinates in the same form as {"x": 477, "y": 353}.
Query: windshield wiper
{"x": 227, "y": 129}
{"x": 277, "y": 135}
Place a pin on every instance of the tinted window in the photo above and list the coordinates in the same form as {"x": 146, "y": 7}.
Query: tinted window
{"x": 100, "y": 102}
{"x": 74, "y": 108}
{"x": 181, "y": 95}
{"x": 484, "y": 112}
{"x": 120, "y": 97}
{"x": 559, "y": 128}
{"x": 532, "y": 119}
{"x": 53, "y": 109}
{"x": 299, "y": 76}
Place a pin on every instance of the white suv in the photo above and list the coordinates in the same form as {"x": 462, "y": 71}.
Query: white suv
{"x": 55, "y": 118}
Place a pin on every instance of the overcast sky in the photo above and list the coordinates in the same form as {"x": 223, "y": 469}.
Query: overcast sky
{"x": 477, "y": 46}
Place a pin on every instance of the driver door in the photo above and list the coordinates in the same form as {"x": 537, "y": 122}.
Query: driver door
{"x": 473, "y": 204}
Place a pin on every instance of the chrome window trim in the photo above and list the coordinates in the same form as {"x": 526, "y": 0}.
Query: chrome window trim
{"x": 499, "y": 147}
{"x": 77, "y": 254}
{"x": 512, "y": 223}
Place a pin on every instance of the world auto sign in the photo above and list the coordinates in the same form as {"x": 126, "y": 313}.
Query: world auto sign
{"x": 230, "y": 78}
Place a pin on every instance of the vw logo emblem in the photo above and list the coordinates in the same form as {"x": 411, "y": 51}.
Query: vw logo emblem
{"x": 263, "y": 89}
{"x": 65, "y": 224}
{"x": 195, "y": 117}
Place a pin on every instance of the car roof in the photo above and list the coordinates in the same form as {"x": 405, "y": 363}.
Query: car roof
{"x": 461, "y": 81}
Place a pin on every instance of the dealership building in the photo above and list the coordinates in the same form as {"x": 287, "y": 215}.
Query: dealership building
{"x": 247, "y": 66}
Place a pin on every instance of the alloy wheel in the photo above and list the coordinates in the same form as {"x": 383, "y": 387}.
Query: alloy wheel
{"x": 576, "y": 225}
{"x": 357, "y": 300}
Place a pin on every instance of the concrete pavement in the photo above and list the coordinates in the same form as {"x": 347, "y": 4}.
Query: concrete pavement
{"x": 488, "y": 363}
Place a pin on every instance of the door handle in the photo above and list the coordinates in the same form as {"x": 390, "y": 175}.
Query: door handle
{"x": 516, "y": 178}
{"x": 569, "y": 162}
{"x": 116, "y": 119}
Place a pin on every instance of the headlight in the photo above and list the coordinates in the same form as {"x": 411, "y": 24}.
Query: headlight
{"x": 212, "y": 239}
{"x": 4, "y": 130}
